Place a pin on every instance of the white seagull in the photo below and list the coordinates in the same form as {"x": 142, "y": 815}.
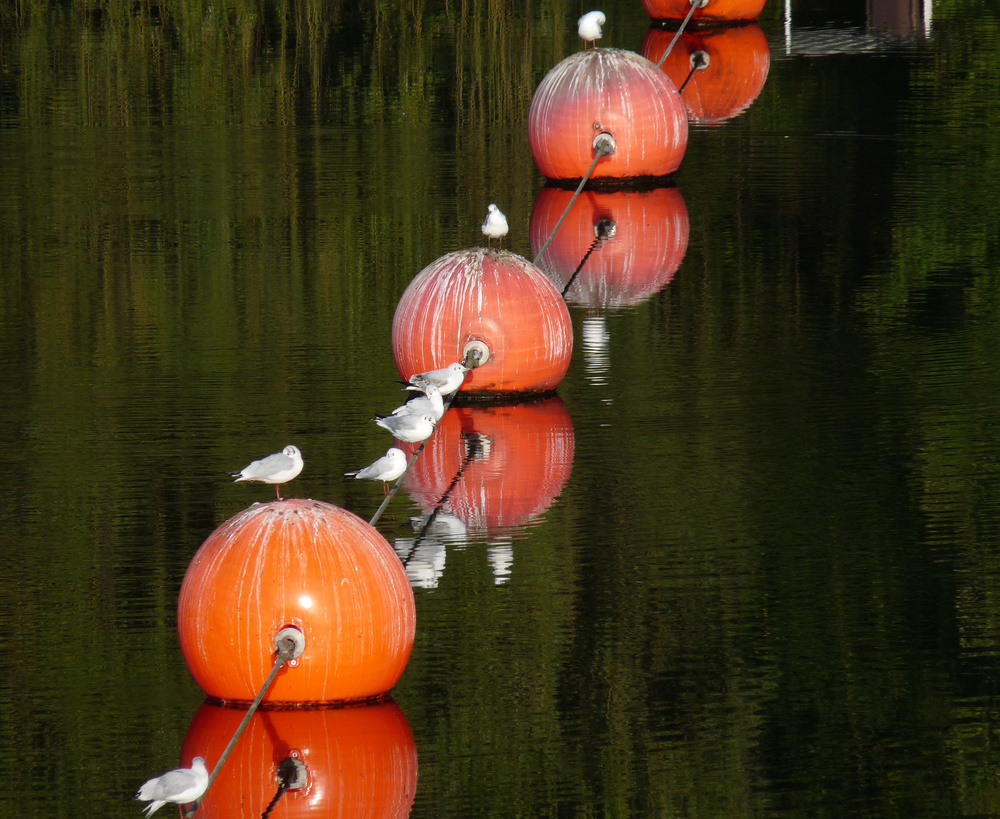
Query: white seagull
{"x": 388, "y": 468}
{"x": 447, "y": 379}
{"x": 410, "y": 428}
{"x": 589, "y": 27}
{"x": 181, "y": 786}
{"x": 277, "y": 469}
{"x": 495, "y": 224}
{"x": 430, "y": 403}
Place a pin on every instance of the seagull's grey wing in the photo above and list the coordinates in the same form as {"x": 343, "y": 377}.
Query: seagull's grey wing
{"x": 168, "y": 785}
{"x": 271, "y": 465}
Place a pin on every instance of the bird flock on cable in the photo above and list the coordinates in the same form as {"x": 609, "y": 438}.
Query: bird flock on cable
{"x": 412, "y": 422}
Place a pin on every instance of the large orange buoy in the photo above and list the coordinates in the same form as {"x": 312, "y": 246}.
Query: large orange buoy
{"x": 739, "y": 59}
{"x": 495, "y": 466}
{"x": 352, "y": 762}
{"x": 607, "y": 91}
{"x": 305, "y": 564}
{"x": 716, "y": 11}
{"x": 495, "y": 302}
{"x": 647, "y": 237}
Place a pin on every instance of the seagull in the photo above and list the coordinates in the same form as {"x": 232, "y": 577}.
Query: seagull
{"x": 410, "y": 428}
{"x": 495, "y": 223}
{"x": 589, "y": 27}
{"x": 180, "y": 786}
{"x": 447, "y": 379}
{"x": 430, "y": 403}
{"x": 388, "y": 468}
{"x": 277, "y": 469}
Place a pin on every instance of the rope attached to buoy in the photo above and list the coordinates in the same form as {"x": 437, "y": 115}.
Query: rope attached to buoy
{"x": 604, "y": 144}
{"x": 699, "y": 62}
{"x": 287, "y": 647}
{"x": 473, "y": 451}
{"x": 604, "y": 229}
{"x": 472, "y": 360}
{"x": 695, "y": 5}
{"x": 292, "y": 775}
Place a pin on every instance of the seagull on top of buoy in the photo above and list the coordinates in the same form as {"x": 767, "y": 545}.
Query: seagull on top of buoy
{"x": 447, "y": 379}
{"x": 589, "y": 27}
{"x": 277, "y": 469}
{"x": 386, "y": 469}
{"x": 495, "y": 224}
{"x": 181, "y": 786}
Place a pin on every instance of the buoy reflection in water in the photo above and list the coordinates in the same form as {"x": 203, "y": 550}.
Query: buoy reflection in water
{"x": 648, "y": 243}
{"x": 356, "y": 761}
{"x": 739, "y": 59}
{"x": 486, "y": 471}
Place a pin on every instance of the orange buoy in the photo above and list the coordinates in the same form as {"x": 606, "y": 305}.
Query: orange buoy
{"x": 607, "y": 91}
{"x": 353, "y": 762}
{"x": 495, "y": 302}
{"x": 648, "y": 237}
{"x": 305, "y": 564}
{"x": 496, "y": 466}
{"x": 716, "y": 11}
{"x": 739, "y": 59}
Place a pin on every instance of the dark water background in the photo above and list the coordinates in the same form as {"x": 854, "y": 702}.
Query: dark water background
{"x": 767, "y": 586}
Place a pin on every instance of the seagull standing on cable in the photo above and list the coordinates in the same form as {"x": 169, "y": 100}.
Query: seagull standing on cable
{"x": 447, "y": 379}
{"x": 181, "y": 786}
{"x": 495, "y": 224}
{"x": 589, "y": 27}
{"x": 430, "y": 403}
{"x": 388, "y": 468}
{"x": 410, "y": 428}
{"x": 277, "y": 469}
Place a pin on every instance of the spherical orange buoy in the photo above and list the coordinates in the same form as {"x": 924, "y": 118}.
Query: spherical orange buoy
{"x": 739, "y": 59}
{"x": 607, "y": 90}
{"x": 495, "y": 300}
{"x": 715, "y": 10}
{"x": 647, "y": 239}
{"x": 356, "y": 762}
{"x": 497, "y": 466}
{"x": 305, "y": 564}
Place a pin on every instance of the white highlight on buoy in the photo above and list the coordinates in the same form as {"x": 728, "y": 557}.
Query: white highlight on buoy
{"x": 589, "y": 27}
{"x": 447, "y": 379}
{"x": 277, "y": 469}
{"x": 495, "y": 225}
{"x": 430, "y": 403}
{"x": 410, "y": 428}
{"x": 180, "y": 786}
{"x": 388, "y": 468}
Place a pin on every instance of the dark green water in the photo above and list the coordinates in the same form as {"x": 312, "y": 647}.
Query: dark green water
{"x": 767, "y": 582}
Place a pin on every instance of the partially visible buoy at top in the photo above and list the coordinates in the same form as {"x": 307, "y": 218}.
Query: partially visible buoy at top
{"x": 716, "y": 11}
{"x": 609, "y": 97}
{"x": 307, "y": 566}
{"x": 735, "y": 60}
{"x": 490, "y": 308}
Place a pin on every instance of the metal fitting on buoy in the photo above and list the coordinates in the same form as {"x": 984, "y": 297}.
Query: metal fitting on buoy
{"x": 476, "y": 353}
{"x": 292, "y": 772}
{"x": 699, "y": 4}
{"x": 289, "y": 643}
{"x": 605, "y": 229}
{"x": 604, "y": 143}
{"x": 700, "y": 60}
